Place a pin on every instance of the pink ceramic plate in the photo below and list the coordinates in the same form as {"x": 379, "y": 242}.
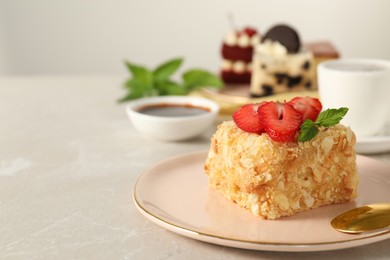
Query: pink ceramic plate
{"x": 175, "y": 195}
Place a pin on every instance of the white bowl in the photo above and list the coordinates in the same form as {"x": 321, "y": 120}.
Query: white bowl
{"x": 172, "y": 128}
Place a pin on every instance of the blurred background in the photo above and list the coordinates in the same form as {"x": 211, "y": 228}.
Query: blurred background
{"x": 56, "y": 37}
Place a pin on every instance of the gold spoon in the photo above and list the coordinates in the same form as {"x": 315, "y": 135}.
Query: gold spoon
{"x": 363, "y": 219}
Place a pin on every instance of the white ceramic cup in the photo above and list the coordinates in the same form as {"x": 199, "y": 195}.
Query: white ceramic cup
{"x": 362, "y": 85}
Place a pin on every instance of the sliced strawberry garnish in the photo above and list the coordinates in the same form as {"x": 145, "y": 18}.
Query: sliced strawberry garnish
{"x": 247, "y": 119}
{"x": 309, "y": 107}
{"x": 280, "y": 120}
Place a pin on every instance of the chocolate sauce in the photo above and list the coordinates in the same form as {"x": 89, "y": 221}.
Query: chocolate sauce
{"x": 173, "y": 110}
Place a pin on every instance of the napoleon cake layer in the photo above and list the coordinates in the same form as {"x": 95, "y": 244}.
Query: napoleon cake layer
{"x": 274, "y": 179}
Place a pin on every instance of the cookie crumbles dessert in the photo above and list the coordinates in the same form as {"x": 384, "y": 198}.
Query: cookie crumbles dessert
{"x": 277, "y": 159}
{"x": 280, "y": 64}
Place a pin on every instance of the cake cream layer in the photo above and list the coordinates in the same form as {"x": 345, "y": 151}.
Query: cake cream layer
{"x": 274, "y": 179}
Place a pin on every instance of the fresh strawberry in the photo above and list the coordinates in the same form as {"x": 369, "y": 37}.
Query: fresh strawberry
{"x": 308, "y": 106}
{"x": 247, "y": 119}
{"x": 280, "y": 120}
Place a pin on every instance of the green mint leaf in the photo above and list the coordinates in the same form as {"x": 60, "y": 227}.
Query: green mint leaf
{"x": 175, "y": 89}
{"x": 143, "y": 77}
{"x": 331, "y": 117}
{"x": 170, "y": 88}
{"x": 308, "y": 131}
{"x": 197, "y": 78}
{"x": 139, "y": 72}
{"x": 165, "y": 70}
{"x": 145, "y": 82}
{"x": 136, "y": 90}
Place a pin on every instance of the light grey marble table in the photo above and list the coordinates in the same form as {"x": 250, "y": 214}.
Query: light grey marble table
{"x": 68, "y": 161}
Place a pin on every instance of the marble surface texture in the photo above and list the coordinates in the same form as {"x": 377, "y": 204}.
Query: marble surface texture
{"x": 68, "y": 161}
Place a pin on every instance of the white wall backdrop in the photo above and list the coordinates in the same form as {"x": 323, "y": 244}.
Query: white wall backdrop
{"x": 94, "y": 37}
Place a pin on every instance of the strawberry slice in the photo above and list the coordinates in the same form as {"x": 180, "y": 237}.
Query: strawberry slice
{"x": 309, "y": 107}
{"x": 247, "y": 118}
{"x": 281, "y": 121}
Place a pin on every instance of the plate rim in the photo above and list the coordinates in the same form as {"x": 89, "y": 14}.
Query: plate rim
{"x": 256, "y": 245}
{"x": 373, "y": 144}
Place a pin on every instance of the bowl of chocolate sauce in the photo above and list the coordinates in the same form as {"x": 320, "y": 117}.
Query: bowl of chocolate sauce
{"x": 172, "y": 118}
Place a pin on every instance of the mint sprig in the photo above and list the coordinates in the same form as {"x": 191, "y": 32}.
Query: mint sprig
{"x": 329, "y": 117}
{"x": 157, "y": 82}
